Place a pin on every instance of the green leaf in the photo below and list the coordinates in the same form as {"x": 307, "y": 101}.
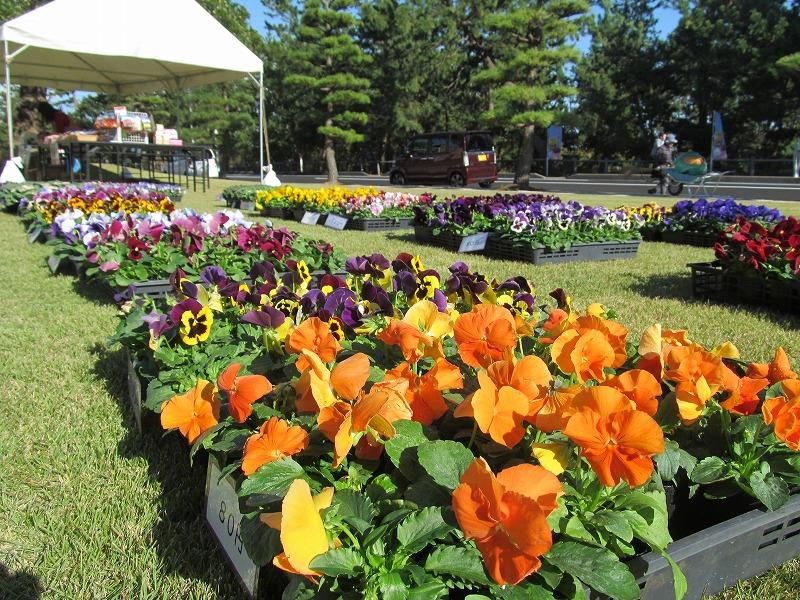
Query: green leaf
{"x": 615, "y": 522}
{"x": 445, "y": 461}
{"x": 157, "y": 394}
{"x": 262, "y": 543}
{"x": 355, "y": 508}
{"x": 430, "y": 590}
{"x": 421, "y": 528}
{"x": 392, "y": 586}
{"x": 576, "y": 529}
{"x": 771, "y": 491}
{"x": 463, "y": 563}
{"x": 652, "y": 507}
{"x": 274, "y": 478}
{"x": 668, "y": 462}
{"x": 338, "y": 561}
{"x": 401, "y": 449}
{"x": 596, "y": 567}
{"x": 709, "y": 470}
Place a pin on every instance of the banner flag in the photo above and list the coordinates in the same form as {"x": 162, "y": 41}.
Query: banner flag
{"x": 555, "y": 135}
{"x": 718, "y": 149}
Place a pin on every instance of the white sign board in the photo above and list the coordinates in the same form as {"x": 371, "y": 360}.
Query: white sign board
{"x": 224, "y": 518}
{"x": 310, "y": 218}
{"x": 336, "y": 222}
{"x": 474, "y": 242}
{"x": 248, "y": 205}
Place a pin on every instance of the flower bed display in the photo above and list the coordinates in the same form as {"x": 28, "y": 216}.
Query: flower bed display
{"x": 755, "y": 265}
{"x": 244, "y": 196}
{"x": 698, "y": 222}
{"x": 530, "y": 227}
{"x": 404, "y": 431}
{"x": 142, "y": 251}
{"x": 11, "y": 194}
{"x": 366, "y": 209}
{"x": 39, "y": 212}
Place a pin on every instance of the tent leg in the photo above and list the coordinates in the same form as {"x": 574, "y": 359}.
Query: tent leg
{"x": 261, "y": 124}
{"x": 8, "y": 103}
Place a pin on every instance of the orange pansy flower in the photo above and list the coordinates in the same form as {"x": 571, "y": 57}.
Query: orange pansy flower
{"x": 699, "y": 375}
{"x": 275, "y": 439}
{"x": 193, "y": 412}
{"x": 372, "y": 414}
{"x": 743, "y": 398}
{"x": 424, "y": 393}
{"x": 784, "y": 413}
{"x": 529, "y": 375}
{"x": 557, "y": 322}
{"x": 412, "y": 342}
{"x": 590, "y": 346}
{"x": 242, "y": 391}
{"x": 654, "y": 344}
{"x": 556, "y": 410}
{"x": 775, "y": 371}
{"x": 425, "y": 316}
{"x": 507, "y": 516}
{"x": 315, "y": 335}
{"x": 617, "y": 440}
{"x": 498, "y": 411}
{"x": 640, "y": 387}
{"x": 485, "y": 334}
{"x": 345, "y": 380}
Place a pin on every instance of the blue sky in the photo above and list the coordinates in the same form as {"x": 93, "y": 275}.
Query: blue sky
{"x": 667, "y": 20}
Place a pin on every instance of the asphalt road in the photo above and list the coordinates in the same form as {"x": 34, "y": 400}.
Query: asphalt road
{"x": 743, "y": 191}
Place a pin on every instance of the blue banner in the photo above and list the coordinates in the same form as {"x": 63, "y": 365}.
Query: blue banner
{"x": 718, "y": 149}
{"x": 555, "y": 135}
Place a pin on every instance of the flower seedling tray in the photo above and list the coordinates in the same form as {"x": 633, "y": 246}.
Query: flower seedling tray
{"x": 379, "y": 223}
{"x": 689, "y": 238}
{"x": 721, "y": 555}
{"x": 711, "y": 281}
{"x": 508, "y": 250}
{"x": 423, "y": 234}
{"x": 277, "y": 212}
{"x": 450, "y": 241}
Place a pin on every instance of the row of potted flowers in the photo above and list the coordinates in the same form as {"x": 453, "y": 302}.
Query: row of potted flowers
{"x": 755, "y": 264}
{"x": 698, "y": 222}
{"x": 133, "y": 235}
{"x": 403, "y": 432}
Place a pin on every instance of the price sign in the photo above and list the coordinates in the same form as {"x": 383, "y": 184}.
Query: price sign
{"x": 474, "y": 242}
{"x": 224, "y": 518}
{"x": 120, "y": 111}
{"x": 248, "y": 205}
{"x": 310, "y": 218}
{"x": 135, "y": 393}
{"x": 336, "y": 222}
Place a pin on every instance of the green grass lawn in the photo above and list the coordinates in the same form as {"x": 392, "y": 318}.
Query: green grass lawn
{"x": 91, "y": 510}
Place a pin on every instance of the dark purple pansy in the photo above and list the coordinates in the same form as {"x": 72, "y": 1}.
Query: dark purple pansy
{"x": 266, "y": 317}
{"x": 190, "y": 305}
{"x": 214, "y": 275}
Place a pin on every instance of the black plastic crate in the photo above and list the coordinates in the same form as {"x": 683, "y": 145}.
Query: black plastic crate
{"x": 721, "y": 555}
{"x": 706, "y": 280}
{"x": 423, "y": 234}
{"x": 379, "y": 224}
{"x": 508, "y": 250}
{"x": 277, "y": 212}
{"x": 689, "y": 238}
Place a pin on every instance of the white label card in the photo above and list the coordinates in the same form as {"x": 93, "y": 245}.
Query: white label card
{"x": 248, "y": 205}
{"x": 224, "y": 518}
{"x": 310, "y": 218}
{"x": 336, "y": 222}
{"x": 474, "y": 242}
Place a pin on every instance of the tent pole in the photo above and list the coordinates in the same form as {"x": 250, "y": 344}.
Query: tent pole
{"x": 261, "y": 123}
{"x": 8, "y": 102}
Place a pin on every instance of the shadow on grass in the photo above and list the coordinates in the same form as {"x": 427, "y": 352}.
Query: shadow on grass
{"x": 662, "y": 286}
{"x": 401, "y": 236}
{"x": 95, "y": 292}
{"x": 678, "y": 286}
{"x": 181, "y": 536}
{"x": 20, "y": 585}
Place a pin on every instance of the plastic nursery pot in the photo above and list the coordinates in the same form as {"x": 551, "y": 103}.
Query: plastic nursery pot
{"x": 379, "y": 224}
{"x": 506, "y": 249}
{"x": 689, "y": 238}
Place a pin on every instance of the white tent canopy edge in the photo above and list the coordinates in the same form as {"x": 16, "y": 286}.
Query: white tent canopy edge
{"x": 76, "y": 44}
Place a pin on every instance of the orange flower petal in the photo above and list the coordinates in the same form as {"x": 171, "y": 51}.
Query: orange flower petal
{"x": 349, "y": 376}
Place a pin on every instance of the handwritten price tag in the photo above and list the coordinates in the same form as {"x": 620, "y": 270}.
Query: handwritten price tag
{"x": 474, "y": 242}
{"x": 336, "y": 222}
{"x": 310, "y": 218}
{"x": 135, "y": 394}
{"x": 224, "y": 518}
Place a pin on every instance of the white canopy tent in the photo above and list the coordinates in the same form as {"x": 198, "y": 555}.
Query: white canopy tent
{"x": 118, "y": 46}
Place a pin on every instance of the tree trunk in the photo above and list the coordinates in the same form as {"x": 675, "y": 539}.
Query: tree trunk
{"x": 330, "y": 160}
{"x": 525, "y": 158}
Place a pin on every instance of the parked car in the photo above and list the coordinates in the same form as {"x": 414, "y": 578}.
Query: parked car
{"x": 456, "y": 157}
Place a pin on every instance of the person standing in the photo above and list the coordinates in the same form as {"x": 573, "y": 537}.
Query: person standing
{"x": 662, "y": 161}
{"x": 659, "y": 141}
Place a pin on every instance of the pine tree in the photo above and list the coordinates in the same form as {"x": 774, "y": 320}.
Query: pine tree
{"x": 527, "y": 50}
{"x": 328, "y": 60}
{"x": 621, "y": 87}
